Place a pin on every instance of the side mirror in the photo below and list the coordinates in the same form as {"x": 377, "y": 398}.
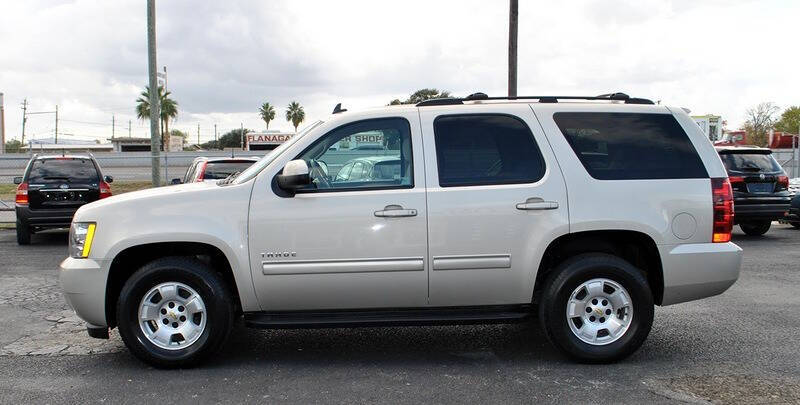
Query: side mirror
{"x": 17, "y": 180}
{"x": 108, "y": 179}
{"x": 176, "y": 181}
{"x": 295, "y": 175}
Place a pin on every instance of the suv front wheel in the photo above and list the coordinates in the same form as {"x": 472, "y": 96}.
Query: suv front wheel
{"x": 596, "y": 308}
{"x": 174, "y": 312}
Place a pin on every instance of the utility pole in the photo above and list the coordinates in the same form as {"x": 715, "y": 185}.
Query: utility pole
{"x": 56, "y": 133}
{"x": 155, "y": 110}
{"x": 24, "y": 118}
{"x": 129, "y": 128}
{"x": 513, "y": 17}
{"x": 241, "y": 131}
{"x": 2, "y": 125}
{"x": 198, "y": 134}
{"x": 113, "y": 122}
{"x": 215, "y": 136}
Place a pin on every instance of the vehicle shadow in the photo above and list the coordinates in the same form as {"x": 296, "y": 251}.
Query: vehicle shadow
{"x": 53, "y": 237}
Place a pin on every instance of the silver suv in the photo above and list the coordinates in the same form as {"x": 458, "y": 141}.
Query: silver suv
{"x": 585, "y": 211}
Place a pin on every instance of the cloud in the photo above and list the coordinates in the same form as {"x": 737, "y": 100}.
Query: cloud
{"x": 225, "y": 58}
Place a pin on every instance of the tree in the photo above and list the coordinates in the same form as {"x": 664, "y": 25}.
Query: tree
{"x": 760, "y": 119}
{"x": 422, "y": 95}
{"x": 267, "y": 113}
{"x": 13, "y": 146}
{"x": 790, "y": 120}
{"x": 169, "y": 110}
{"x": 230, "y": 139}
{"x": 295, "y": 114}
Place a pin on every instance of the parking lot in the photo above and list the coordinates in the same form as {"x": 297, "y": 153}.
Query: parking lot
{"x": 742, "y": 346}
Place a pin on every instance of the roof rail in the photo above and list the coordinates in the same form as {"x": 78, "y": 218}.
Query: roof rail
{"x": 542, "y": 99}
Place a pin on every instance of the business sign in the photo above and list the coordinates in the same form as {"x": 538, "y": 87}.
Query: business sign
{"x": 268, "y": 138}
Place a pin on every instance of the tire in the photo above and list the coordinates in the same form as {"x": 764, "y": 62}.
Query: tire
{"x": 568, "y": 279}
{"x": 23, "y": 234}
{"x": 756, "y": 228}
{"x": 206, "y": 332}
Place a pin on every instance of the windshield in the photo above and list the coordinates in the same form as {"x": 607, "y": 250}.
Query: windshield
{"x": 253, "y": 170}
{"x": 750, "y": 162}
{"x": 63, "y": 170}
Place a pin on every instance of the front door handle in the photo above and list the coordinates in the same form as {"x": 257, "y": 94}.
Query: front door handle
{"x": 537, "y": 203}
{"x": 395, "y": 211}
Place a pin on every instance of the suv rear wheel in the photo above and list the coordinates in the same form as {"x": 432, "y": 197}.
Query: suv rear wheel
{"x": 23, "y": 234}
{"x": 596, "y": 308}
{"x": 756, "y": 228}
{"x": 174, "y": 312}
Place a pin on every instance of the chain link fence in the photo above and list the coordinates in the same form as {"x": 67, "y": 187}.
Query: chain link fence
{"x": 126, "y": 166}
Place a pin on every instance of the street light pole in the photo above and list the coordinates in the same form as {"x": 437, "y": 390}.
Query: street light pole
{"x": 155, "y": 138}
{"x": 513, "y": 17}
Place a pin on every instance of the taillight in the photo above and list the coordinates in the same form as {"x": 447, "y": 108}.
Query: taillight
{"x": 105, "y": 190}
{"x": 722, "y": 196}
{"x": 202, "y": 172}
{"x": 783, "y": 182}
{"x": 22, "y": 194}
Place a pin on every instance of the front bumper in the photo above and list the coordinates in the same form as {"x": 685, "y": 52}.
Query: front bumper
{"x": 698, "y": 270}
{"x": 84, "y": 284}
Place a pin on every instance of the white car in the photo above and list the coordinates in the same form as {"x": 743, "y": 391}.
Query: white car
{"x": 587, "y": 211}
{"x": 214, "y": 169}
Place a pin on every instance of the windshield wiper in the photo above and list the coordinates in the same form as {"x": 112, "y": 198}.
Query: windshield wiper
{"x": 230, "y": 178}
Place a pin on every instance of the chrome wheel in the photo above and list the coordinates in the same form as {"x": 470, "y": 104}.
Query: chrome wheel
{"x": 172, "y": 316}
{"x": 599, "y": 311}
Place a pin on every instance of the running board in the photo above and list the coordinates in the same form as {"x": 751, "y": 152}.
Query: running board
{"x": 387, "y": 317}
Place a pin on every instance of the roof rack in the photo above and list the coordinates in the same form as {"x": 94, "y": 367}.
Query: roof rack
{"x": 542, "y": 99}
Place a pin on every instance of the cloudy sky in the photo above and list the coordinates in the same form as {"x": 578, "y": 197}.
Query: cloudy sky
{"x": 224, "y": 58}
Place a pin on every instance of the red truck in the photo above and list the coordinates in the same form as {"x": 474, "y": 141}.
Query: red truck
{"x": 777, "y": 140}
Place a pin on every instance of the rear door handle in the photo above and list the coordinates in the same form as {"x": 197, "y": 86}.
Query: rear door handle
{"x": 395, "y": 211}
{"x": 537, "y": 203}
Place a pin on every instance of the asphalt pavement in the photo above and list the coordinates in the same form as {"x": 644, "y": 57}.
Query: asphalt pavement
{"x": 740, "y": 347}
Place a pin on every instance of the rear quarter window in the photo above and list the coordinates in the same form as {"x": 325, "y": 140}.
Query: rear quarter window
{"x": 630, "y": 146}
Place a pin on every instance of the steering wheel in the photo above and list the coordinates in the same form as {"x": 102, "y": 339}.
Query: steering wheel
{"x": 318, "y": 174}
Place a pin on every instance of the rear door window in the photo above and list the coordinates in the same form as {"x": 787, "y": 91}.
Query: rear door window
{"x": 63, "y": 170}
{"x": 630, "y": 146}
{"x": 485, "y": 149}
{"x": 750, "y": 162}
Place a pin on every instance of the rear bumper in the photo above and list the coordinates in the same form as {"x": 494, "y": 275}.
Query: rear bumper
{"x": 744, "y": 212}
{"x": 84, "y": 284}
{"x": 45, "y": 218}
{"x": 698, "y": 270}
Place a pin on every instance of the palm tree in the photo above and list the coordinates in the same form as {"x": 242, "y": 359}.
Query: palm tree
{"x": 267, "y": 113}
{"x": 169, "y": 110}
{"x": 295, "y": 114}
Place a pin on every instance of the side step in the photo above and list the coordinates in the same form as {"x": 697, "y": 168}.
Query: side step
{"x": 387, "y": 317}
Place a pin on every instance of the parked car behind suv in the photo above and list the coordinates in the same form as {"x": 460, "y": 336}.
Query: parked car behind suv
{"x": 587, "y": 212}
{"x": 214, "y": 169}
{"x": 760, "y": 187}
{"x": 53, "y": 188}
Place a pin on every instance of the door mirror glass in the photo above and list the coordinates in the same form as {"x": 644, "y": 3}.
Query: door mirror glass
{"x": 176, "y": 181}
{"x": 108, "y": 179}
{"x": 294, "y": 175}
{"x": 17, "y": 180}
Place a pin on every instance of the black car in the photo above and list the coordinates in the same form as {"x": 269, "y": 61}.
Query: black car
{"x": 794, "y": 212}
{"x": 53, "y": 188}
{"x": 760, "y": 187}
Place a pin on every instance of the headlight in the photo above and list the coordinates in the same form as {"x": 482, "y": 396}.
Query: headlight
{"x": 81, "y": 235}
